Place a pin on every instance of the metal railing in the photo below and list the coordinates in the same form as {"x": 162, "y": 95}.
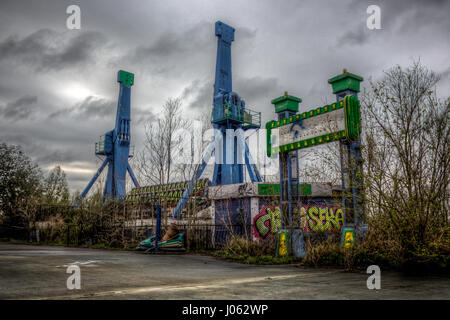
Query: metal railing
{"x": 236, "y": 113}
{"x": 101, "y": 145}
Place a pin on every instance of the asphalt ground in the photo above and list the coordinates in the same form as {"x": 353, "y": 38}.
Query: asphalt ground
{"x": 40, "y": 272}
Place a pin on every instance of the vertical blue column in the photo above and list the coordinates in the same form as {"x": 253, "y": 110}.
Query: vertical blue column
{"x": 158, "y": 225}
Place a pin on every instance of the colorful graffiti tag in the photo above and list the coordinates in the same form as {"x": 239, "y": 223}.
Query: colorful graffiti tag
{"x": 321, "y": 218}
{"x": 267, "y": 223}
{"x": 312, "y": 219}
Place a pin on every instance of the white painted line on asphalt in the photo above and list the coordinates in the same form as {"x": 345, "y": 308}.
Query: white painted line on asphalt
{"x": 86, "y": 263}
{"x": 203, "y": 285}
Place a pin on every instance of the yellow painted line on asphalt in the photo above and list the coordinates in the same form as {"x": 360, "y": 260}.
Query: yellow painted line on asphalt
{"x": 181, "y": 287}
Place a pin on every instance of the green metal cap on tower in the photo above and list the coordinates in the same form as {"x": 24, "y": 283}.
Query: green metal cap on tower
{"x": 286, "y": 103}
{"x": 345, "y": 81}
{"x": 126, "y": 78}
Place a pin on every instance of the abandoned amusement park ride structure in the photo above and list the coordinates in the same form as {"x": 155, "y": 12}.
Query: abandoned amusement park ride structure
{"x": 284, "y": 211}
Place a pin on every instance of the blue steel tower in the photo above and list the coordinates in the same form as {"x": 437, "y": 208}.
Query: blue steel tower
{"x": 230, "y": 118}
{"x": 115, "y": 146}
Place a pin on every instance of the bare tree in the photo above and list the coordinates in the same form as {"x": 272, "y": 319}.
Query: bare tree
{"x": 56, "y": 190}
{"x": 189, "y": 168}
{"x": 155, "y": 161}
{"x": 407, "y": 137}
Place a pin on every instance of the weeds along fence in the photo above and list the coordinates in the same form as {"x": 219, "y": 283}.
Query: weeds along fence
{"x": 196, "y": 236}
{"x": 119, "y": 225}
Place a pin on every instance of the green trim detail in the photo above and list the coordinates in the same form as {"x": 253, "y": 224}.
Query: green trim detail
{"x": 268, "y": 138}
{"x": 126, "y": 78}
{"x": 345, "y": 81}
{"x": 269, "y": 189}
{"x": 352, "y": 116}
{"x": 305, "y": 115}
{"x": 310, "y": 142}
{"x": 286, "y": 103}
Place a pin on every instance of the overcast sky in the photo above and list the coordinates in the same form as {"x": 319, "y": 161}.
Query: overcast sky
{"x": 58, "y": 89}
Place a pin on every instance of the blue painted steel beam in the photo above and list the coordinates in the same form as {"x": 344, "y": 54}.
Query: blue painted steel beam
{"x": 116, "y": 145}
{"x": 223, "y": 79}
{"x": 132, "y": 176}
{"x": 188, "y": 191}
{"x": 115, "y": 183}
{"x": 228, "y": 169}
{"x": 91, "y": 183}
{"x": 158, "y": 225}
{"x": 250, "y": 164}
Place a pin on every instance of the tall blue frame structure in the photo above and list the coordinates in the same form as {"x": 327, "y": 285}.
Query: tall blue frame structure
{"x": 115, "y": 146}
{"x": 230, "y": 118}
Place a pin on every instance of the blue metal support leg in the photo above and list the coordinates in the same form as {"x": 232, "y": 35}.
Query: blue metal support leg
{"x": 133, "y": 177}
{"x": 91, "y": 183}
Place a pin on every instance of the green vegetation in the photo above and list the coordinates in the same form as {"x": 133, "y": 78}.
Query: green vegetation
{"x": 431, "y": 259}
{"x": 252, "y": 252}
{"x": 262, "y": 260}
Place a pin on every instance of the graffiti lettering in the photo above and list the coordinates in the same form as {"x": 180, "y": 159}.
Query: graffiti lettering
{"x": 312, "y": 219}
{"x": 267, "y": 223}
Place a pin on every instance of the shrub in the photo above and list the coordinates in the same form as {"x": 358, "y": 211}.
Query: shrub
{"x": 240, "y": 246}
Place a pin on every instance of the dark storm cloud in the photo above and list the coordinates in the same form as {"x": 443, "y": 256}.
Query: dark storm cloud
{"x": 99, "y": 108}
{"x": 41, "y": 152}
{"x": 140, "y": 116}
{"x": 21, "y": 108}
{"x": 90, "y": 107}
{"x": 56, "y": 156}
{"x": 175, "y": 43}
{"x": 445, "y": 74}
{"x": 416, "y": 14}
{"x": 200, "y": 94}
{"x": 46, "y": 49}
{"x": 399, "y": 18}
{"x": 354, "y": 37}
{"x": 173, "y": 49}
{"x": 253, "y": 89}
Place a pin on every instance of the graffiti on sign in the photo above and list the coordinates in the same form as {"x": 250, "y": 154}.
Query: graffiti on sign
{"x": 321, "y": 218}
{"x": 312, "y": 219}
{"x": 267, "y": 223}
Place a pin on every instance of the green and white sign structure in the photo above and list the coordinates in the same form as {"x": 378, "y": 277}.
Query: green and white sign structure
{"x": 339, "y": 120}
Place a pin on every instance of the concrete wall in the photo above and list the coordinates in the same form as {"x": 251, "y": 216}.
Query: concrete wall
{"x": 241, "y": 203}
